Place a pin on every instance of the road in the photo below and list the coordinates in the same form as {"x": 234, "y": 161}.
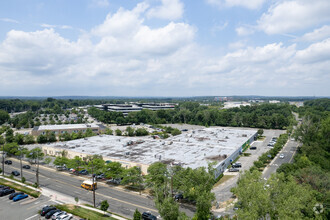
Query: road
{"x": 121, "y": 201}
{"x": 289, "y": 151}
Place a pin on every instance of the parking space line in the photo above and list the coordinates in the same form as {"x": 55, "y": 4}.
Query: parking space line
{"x": 32, "y": 217}
{"x": 36, "y": 205}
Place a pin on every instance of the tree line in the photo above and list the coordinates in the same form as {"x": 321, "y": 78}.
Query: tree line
{"x": 275, "y": 116}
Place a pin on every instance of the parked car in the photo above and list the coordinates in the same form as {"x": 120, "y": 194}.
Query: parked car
{"x": 50, "y": 213}
{"x": 233, "y": 170}
{"x": 281, "y": 156}
{"x": 114, "y": 181}
{"x": 26, "y": 167}
{"x": 101, "y": 176}
{"x": 83, "y": 172}
{"x": 15, "y": 173}
{"x": 5, "y": 192}
{"x": 148, "y": 216}
{"x": 66, "y": 217}
{"x": 253, "y": 148}
{"x": 3, "y": 187}
{"x": 178, "y": 196}
{"x": 11, "y": 196}
{"x": 20, "y": 197}
{"x": 236, "y": 165}
{"x": 57, "y": 214}
{"x": 8, "y": 162}
{"x": 46, "y": 209}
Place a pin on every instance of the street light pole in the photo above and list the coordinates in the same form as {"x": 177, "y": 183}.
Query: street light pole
{"x": 93, "y": 183}
{"x": 3, "y": 160}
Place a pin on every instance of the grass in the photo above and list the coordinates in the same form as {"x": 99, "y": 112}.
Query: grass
{"x": 261, "y": 138}
{"x": 223, "y": 179}
{"x": 21, "y": 188}
{"x": 83, "y": 213}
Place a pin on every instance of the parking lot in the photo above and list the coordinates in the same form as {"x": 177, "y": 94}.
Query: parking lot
{"x": 26, "y": 209}
{"x": 222, "y": 192}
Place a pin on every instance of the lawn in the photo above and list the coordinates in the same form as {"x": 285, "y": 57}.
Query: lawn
{"x": 21, "y": 188}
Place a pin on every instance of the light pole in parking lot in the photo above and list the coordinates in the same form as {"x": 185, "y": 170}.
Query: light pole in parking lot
{"x": 20, "y": 148}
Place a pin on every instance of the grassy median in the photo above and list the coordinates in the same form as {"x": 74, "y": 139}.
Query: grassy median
{"x": 83, "y": 213}
{"x": 21, "y": 188}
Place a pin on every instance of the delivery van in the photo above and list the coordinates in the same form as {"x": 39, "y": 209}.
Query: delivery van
{"x": 88, "y": 184}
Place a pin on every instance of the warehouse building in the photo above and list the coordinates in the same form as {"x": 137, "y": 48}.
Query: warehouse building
{"x": 196, "y": 148}
{"x": 69, "y": 128}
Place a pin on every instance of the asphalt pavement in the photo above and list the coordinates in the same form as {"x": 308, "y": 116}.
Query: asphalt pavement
{"x": 121, "y": 201}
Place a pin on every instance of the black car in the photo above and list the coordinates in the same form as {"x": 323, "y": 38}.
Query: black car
{"x": 8, "y": 162}
{"x": 236, "y": 165}
{"x": 83, "y": 172}
{"x": 233, "y": 170}
{"x": 11, "y": 196}
{"x": 3, "y": 187}
{"x": 50, "y": 213}
{"x": 26, "y": 167}
{"x": 253, "y": 148}
{"x": 15, "y": 173}
{"x": 46, "y": 209}
{"x": 5, "y": 192}
{"x": 148, "y": 216}
{"x": 178, "y": 196}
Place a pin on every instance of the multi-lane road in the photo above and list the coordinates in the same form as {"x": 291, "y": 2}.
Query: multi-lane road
{"x": 121, "y": 201}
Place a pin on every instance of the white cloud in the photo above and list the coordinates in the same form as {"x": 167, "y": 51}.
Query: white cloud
{"x": 168, "y": 10}
{"x": 9, "y": 20}
{"x": 243, "y": 30}
{"x": 124, "y": 56}
{"x": 316, "y": 35}
{"x": 290, "y": 16}
{"x": 250, "y": 4}
{"x": 56, "y": 26}
{"x": 316, "y": 52}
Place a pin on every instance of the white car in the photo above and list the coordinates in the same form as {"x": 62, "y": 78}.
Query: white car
{"x": 65, "y": 216}
{"x": 57, "y": 214}
{"x": 282, "y": 156}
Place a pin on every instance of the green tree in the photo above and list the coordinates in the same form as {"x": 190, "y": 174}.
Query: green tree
{"x": 19, "y": 138}
{"x": 9, "y": 135}
{"x": 157, "y": 174}
{"x": 60, "y": 161}
{"x": 130, "y": 131}
{"x": 35, "y": 154}
{"x": 29, "y": 139}
{"x": 118, "y": 132}
{"x": 104, "y": 206}
{"x": 41, "y": 139}
{"x": 4, "y": 116}
{"x": 47, "y": 160}
{"x": 260, "y": 132}
{"x": 114, "y": 170}
{"x": 141, "y": 132}
{"x": 168, "y": 209}
{"x": 133, "y": 177}
{"x": 137, "y": 215}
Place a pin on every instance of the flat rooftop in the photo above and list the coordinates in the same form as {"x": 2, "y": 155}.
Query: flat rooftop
{"x": 67, "y": 126}
{"x": 190, "y": 149}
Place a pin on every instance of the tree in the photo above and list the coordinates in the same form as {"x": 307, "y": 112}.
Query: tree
{"x": 4, "y": 116}
{"x": 35, "y": 154}
{"x": 60, "y": 161}
{"x": 9, "y": 135}
{"x": 133, "y": 176}
{"x": 204, "y": 205}
{"x": 29, "y": 139}
{"x": 114, "y": 170}
{"x": 118, "y": 132}
{"x": 260, "y": 132}
{"x": 47, "y": 160}
{"x": 19, "y": 138}
{"x": 130, "y": 131}
{"x": 157, "y": 174}
{"x": 141, "y": 132}
{"x": 137, "y": 215}
{"x": 42, "y": 139}
{"x": 75, "y": 163}
{"x": 104, "y": 206}
{"x": 168, "y": 209}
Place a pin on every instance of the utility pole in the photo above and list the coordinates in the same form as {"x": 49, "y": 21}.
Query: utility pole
{"x": 37, "y": 174}
{"x": 93, "y": 183}
{"x": 20, "y": 148}
{"x": 3, "y": 159}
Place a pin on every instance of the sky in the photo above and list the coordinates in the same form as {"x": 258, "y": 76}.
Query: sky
{"x": 164, "y": 47}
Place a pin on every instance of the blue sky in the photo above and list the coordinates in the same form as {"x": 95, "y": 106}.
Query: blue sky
{"x": 165, "y": 47}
